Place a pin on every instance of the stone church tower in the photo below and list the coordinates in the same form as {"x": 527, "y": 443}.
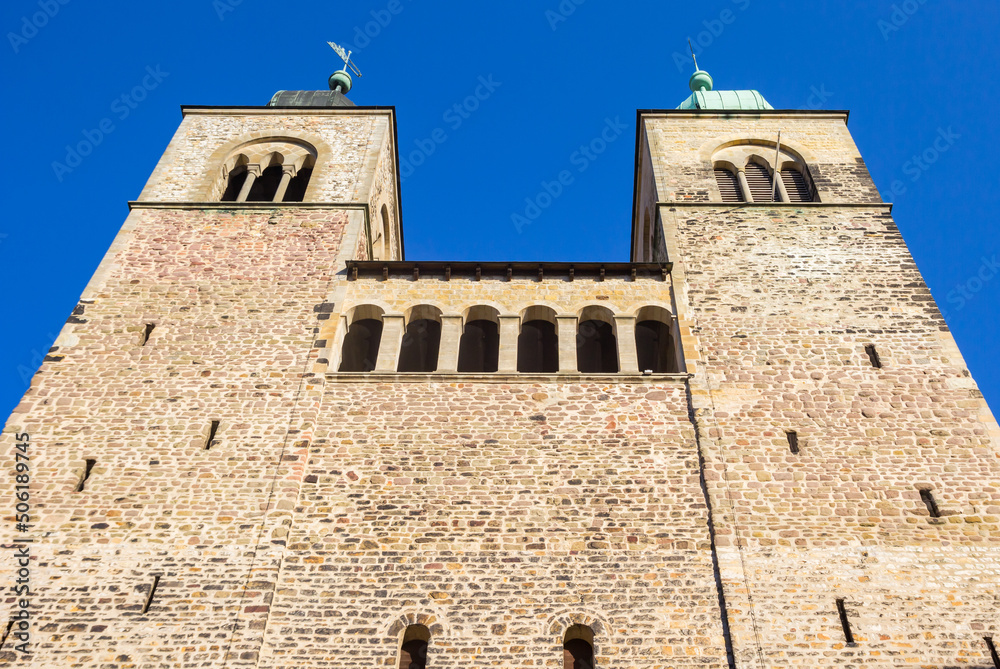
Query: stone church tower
{"x": 264, "y": 439}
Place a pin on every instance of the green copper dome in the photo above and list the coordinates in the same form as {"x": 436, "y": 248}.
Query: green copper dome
{"x": 703, "y": 97}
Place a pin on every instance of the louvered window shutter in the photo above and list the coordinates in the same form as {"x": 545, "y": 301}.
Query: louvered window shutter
{"x": 729, "y": 185}
{"x": 759, "y": 180}
{"x": 796, "y": 185}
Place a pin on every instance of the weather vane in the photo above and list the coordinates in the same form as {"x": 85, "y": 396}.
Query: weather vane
{"x": 341, "y": 79}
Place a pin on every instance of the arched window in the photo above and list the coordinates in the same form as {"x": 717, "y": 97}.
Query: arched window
{"x": 297, "y": 186}
{"x": 578, "y": 648}
{"x": 654, "y": 341}
{"x": 413, "y": 651}
{"x": 596, "y": 344}
{"x": 266, "y": 185}
{"x": 235, "y": 179}
{"x": 266, "y": 170}
{"x": 729, "y": 185}
{"x": 419, "y": 349}
{"x": 538, "y": 344}
{"x": 362, "y": 341}
{"x": 759, "y": 180}
{"x": 479, "y": 348}
{"x": 796, "y": 185}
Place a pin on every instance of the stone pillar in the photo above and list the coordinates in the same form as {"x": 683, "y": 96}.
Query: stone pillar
{"x": 253, "y": 171}
{"x": 566, "y": 329}
{"x": 287, "y": 172}
{"x": 782, "y": 191}
{"x": 744, "y": 185}
{"x": 392, "y": 338}
{"x": 451, "y": 337}
{"x": 628, "y": 360}
{"x": 510, "y": 328}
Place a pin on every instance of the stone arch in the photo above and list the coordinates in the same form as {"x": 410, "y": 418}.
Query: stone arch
{"x": 656, "y": 340}
{"x": 597, "y": 340}
{"x": 556, "y": 627}
{"x": 479, "y": 345}
{"x": 382, "y": 245}
{"x": 735, "y": 153}
{"x": 221, "y": 160}
{"x": 421, "y": 343}
{"x": 362, "y": 338}
{"x": 538, "y": 341}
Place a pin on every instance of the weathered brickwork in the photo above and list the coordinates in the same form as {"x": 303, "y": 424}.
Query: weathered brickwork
{"x": 669, "y": 512}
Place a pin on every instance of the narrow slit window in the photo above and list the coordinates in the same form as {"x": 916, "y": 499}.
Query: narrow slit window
{"x": 844, "y": 622}
{"x": 211, "y": 435}
{"x": 928, "y": 498}
{"x": 793, "y": 441}
{"x": 989, "y": 644}
{"x": 873, "y": 356}
{"x": 10, "y": 626}
{"x": 146, "y": 332}
{"x": 149, "y": 597}
{"x": 87, "y": 469}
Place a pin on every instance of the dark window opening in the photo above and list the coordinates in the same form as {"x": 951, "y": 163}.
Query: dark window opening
{"x": 993, "y": 651}
{"x": 146, "y": 332}
{"x": 596, "y": 348}
{"x": 654, "y": 346}
{"x": 6, "y": 633}
{"x": 928, "y": 498}
{"x": 266, "y": 185}
{"x": 538, "y": 348}
{"x": 796, "y": 185}
{"x": 759, "y": 180}
{"x": 413, "y": 652}
{"x": 793, "y": 442}
{"x": 729, "y": 185}
{"x": 844, "y": 622}
{"x": 413, "y": 655}
{"x": 88, "y": 468}
{"x": 873, "y": 356}
{"x": 578, "y": 654}
{"x": 211, "y": 435}
{"x": 237, "y": 177}
{"x": 296, "y": 191}
{"x": 479, "y": 348}
{"x": 149, "y": 597}
{"x": 419, "y": 348}
{"x": 361, "y": 344}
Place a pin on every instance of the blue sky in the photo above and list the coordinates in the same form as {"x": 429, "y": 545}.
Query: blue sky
{"x": 911, "y": 72}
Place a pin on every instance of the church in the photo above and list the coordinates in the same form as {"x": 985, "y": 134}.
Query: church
{"x": 265, "y": 439}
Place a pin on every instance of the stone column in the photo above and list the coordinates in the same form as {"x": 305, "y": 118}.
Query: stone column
{"x": 782, "y": 191}
{"x": 744, "y": 185}
{"x": 392, "y": 338}
{"x": 566, "y": 329}
{"x": 287, "y": 172}
{"x": 628, "y": 360}
{"x": 510, "y": 328}
{"x": 451, "y": 337}
{"x": 253, "y": 171}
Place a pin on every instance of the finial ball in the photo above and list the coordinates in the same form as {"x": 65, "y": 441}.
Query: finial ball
{"x": 700, "y": 81}
{"x": 342, "y": 79}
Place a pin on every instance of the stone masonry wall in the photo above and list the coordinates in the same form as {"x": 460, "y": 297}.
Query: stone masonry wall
{"x": 235, "y": 297}
{"x": 499, "y": 514}
{"x": 781, "y": 302}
